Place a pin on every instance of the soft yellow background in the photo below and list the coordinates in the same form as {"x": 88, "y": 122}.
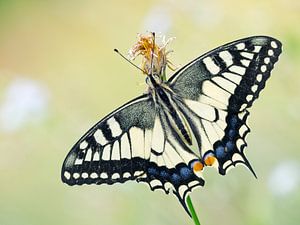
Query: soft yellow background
{"x": 67, "y": 47}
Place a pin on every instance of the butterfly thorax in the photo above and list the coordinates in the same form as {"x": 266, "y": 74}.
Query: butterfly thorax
{"x": 164, "y": 103}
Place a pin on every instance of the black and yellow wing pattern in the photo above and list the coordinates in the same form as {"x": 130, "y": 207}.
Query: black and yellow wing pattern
{"x": 211, "y": 94}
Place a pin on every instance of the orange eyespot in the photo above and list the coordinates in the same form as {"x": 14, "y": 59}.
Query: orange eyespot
{"x": 197, "y": 166}
{"x": 209, "y": 160}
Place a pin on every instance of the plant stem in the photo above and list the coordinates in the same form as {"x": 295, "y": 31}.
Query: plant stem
{"x": 192, "y": 211}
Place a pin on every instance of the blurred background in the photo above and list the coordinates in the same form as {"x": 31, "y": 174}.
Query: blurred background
{"x": 59, "y": 76}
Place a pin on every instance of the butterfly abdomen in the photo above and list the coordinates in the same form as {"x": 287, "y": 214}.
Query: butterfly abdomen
{"x": 176, "y": 120}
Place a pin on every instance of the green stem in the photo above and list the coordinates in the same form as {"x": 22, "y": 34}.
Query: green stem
{"x": 192, "y": 211}
{"x": 163, "y": 76}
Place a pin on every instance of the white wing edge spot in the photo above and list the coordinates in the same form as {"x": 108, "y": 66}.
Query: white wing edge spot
{"x": 155, "y": 183}
{"x": 274, "y": 44}
{"x": 237, "y": 157}
{"x": 126, "y": 175}
{"x": 249, "y": 98}
{"x": 168, "y": 186}
{"x": 76, "y": 175}
{"x": 243, "y": 107}
{"x": 182, "y": 189}
{"x": 103, "y": 175}
{"x": 243, "y": 129}
{"x": 259, "y": 77}
{"x": 115, "y": 176}
{"x": 192, "y": 183}
{"x": 270, "y": 52}
{"x": 263, "y": 68}
{"x": 67, "y": 175}
{"x": 138, "y": 173}
{"x": 267, "y": 60}
{"x": 226, "y": 164}
{"x": 94, "y": 175}
{"x": 84, "y": 175}
{"x": 239, "y": 143}
{"x": 254, "y": 88}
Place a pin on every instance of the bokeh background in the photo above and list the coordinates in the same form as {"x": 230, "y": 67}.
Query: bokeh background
{"x": 59, "y": 76}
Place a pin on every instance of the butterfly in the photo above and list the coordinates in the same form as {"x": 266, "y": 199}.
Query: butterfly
{"x": 197, "y": 118}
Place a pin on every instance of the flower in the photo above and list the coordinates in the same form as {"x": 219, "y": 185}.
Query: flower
{"x": 145, "y": 46}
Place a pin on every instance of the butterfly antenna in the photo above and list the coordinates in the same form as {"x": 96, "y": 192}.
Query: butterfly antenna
{"x": 152, "y": 52}
{"x": 120, "y": 54}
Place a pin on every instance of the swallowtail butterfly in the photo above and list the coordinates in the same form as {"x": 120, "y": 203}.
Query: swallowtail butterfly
{"x": 196, "y": 118}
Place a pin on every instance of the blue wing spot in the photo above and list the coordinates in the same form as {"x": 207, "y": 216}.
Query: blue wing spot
{"x": 220, "y": 152}
{"x": 231, "y": 134}
{"x": 164, "y": 174}
{"x": 233, "y": 121}
{"x": 230, "y": 145}
{"x": 185, "y": 173}
{"x": 175, "y": 178}
{"x": 152, "y": 171}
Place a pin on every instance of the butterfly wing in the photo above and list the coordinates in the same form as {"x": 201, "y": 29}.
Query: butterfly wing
{"x": 228, "y": 79}
{"x": 137, "y": 141}
{"x": 116, "y": 149}
{"x": 134, "y": 142}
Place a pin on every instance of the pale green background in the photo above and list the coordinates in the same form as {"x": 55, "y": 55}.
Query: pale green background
{"x": 67, "y": 46}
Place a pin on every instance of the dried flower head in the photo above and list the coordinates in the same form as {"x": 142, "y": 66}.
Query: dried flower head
{"x": 147, "y": 44}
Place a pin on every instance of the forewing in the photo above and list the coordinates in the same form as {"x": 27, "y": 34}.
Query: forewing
{"x": 227, "y": 79}
{"x": 116, "y": 149}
